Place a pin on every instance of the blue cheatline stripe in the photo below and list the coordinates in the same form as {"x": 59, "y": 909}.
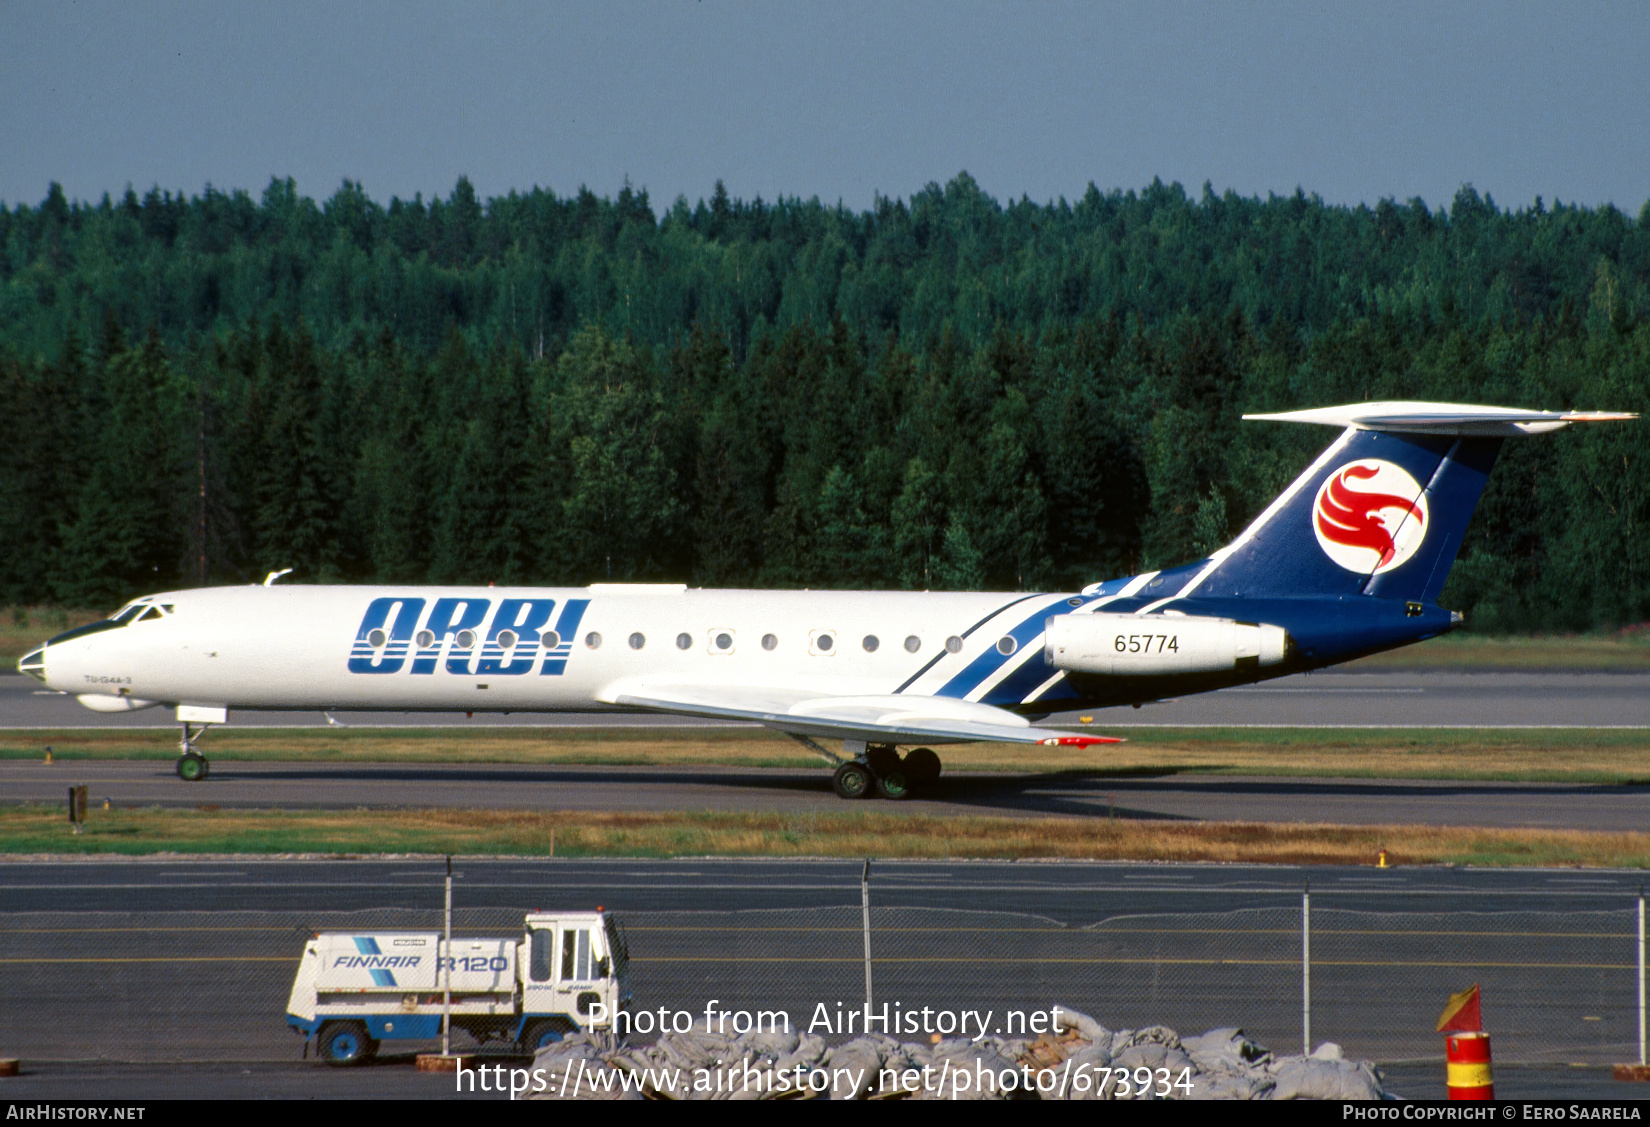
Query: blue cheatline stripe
{"x": 933, "y": 661}
{"x": 993, "y": 659}
{"x": 366, "y": 945}
{"x": 1033, "y": 671}
{"x": 383, "y": 978}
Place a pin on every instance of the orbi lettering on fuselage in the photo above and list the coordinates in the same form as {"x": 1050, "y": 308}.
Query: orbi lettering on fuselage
{"x": 397, "y": 634}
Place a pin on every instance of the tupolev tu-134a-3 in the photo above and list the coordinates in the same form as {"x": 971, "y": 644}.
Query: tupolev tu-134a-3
{"x": 1348, "y": 561}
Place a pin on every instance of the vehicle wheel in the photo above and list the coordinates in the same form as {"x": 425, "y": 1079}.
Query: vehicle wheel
{"x": 192, "y": 768}
{"x": 921, "y": 765}
{"x": 894, "y": 785}
{"x": 851, "y": 780}
{"x": 542, "y": 1034}
{"x": 345, "y": 1043}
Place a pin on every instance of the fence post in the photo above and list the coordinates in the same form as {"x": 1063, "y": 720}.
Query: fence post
{"x": 865, "y": 913}
{"x": 447, "y": 970}
{"x": 1642, "y": 1061}
{"x": 1306, "y": 968}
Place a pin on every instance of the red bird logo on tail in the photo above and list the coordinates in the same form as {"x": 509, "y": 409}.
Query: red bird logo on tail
{"x": 1351, "y": 521}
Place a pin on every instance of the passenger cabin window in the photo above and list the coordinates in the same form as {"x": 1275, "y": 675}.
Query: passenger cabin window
{"x": 684, "y": 641}
{"x": 577, "y": 961}
{"x": 541, "y": 954}
{"x": 769, "y": 641}
{"x": 638, "y": 640}
{"x": 593, "y": 640}
{"x": 871, "y": 643}
{"x": 913, "y": 644}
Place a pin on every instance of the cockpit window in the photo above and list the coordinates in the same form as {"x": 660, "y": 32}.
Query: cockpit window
{"x": 149, "y": 615}
{"x": 129, "y": 614}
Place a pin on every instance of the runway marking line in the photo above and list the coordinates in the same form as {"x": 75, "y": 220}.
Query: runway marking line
{"x": 167, "y": 959}
{"x": 1101, "y": 929}
{"x": 924, "y": 961}
{"x": 1088, "y": 930}
{"x": 132, "y": 930}
{"x": 1139, "y": 962}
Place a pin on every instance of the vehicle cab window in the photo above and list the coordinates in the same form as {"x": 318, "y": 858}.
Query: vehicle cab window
{"x": 541, "y": 954}
{"x": 578, "y": 963}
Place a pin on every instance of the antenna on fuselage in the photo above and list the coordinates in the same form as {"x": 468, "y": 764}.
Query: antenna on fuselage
{"x": 269, "y": 580}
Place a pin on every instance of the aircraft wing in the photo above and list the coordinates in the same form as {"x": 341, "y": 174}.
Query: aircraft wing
{"x": 889, "y": 718}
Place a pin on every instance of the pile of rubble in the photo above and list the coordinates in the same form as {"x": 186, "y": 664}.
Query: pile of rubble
{"x": 1081, "y": 1061}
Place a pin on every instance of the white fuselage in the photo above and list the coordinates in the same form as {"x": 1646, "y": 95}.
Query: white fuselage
{"x": 311, "y": 647}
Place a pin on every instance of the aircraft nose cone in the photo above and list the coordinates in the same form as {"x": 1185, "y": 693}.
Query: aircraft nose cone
{"x": 33, "y": 663}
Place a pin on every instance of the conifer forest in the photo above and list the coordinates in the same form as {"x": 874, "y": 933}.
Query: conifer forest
{"x": 944, "y": 391}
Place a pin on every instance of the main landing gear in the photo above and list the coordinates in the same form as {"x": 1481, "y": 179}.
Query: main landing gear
{"x": 192, "y": 765}
{"x": 880, "y": 768}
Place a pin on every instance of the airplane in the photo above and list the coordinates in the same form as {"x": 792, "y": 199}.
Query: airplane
{"x": 1349, "y": 560}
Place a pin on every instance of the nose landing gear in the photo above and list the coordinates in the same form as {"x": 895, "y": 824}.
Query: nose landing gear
{"x": 192, "y": 765}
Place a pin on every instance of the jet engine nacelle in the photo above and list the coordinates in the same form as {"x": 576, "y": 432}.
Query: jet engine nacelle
{"x": 1126, "y": 644}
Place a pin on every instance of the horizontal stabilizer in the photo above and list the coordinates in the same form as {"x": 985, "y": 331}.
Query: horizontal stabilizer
{"x": 1442, "y": 418}
{"x": 890, "y": 718}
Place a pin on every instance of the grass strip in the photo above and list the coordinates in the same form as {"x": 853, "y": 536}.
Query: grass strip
{"x": 1624, "y": 651}
{"x": 44, "y": 829}
{"x": 1507, "y": 755}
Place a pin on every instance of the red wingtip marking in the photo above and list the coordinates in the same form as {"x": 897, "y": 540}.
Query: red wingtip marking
{"x": 1080, "y": 741}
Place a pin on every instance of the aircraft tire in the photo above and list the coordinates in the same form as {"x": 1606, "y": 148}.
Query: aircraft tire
{"x": 881, "y": 760}
{"x": 921, "y": 765}
{"x": 894, "y": 785}
{"x": 851, "y": 780}
{"x": 192, "y": 768}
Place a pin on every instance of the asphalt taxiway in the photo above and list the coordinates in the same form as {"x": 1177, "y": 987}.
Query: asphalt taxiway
{"x": 254, "y": 785}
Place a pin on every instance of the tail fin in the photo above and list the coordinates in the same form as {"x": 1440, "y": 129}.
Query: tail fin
{"x": 1383, "y": 510}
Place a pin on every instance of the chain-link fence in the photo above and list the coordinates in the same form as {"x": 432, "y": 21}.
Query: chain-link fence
{"x": 1557, "y": 985}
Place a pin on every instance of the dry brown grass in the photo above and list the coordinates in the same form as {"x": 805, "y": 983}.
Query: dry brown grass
{"x": 1574, "y": 755}
{"x": 1624, "y": 650}
{"x": 846, "y": 834}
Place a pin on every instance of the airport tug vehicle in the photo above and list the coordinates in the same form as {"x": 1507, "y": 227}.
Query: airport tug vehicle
{"x": 568, "y": 973}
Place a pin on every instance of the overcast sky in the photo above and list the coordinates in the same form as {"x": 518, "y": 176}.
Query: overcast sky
{"x": 841, "y": 100}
